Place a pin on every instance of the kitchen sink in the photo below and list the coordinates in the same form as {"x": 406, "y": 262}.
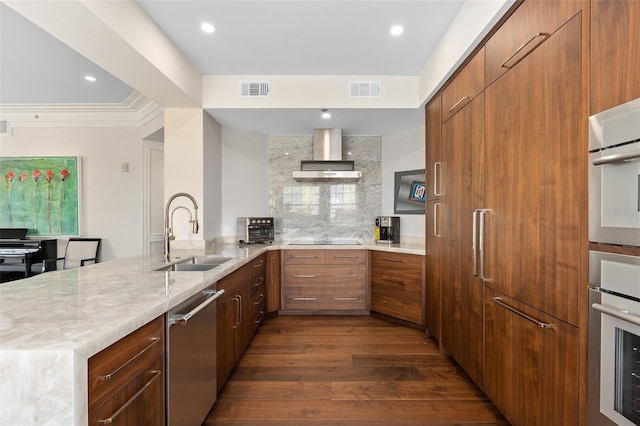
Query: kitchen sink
{"x": 198, "y": 264}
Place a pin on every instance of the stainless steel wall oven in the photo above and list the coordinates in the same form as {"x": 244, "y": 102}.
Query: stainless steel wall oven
{"x": 614, "y": 275}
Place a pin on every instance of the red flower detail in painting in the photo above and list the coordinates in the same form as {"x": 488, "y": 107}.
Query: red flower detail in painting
{"x": 23, "y": 177}
{"x": 37, "y": 174}
{"x": 49, "y": 176}
{"x": 64, "y": 174}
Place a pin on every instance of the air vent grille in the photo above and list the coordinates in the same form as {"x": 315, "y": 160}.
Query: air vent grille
{"x": 255, "y": 89}
{"x": 364, "y": 89}
{"x": 5, "y": 128}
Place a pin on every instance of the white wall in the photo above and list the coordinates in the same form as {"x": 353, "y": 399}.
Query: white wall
{"x": 112, "y": 200}
{"x": 402, "y": 151}
{"x": 245, "y": 173}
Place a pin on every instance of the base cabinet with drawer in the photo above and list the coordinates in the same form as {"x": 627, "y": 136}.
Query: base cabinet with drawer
{"x": 126, "y": 380}
{"x": 258, "y": 291}
{"x": 396, "y": 285}
{"x": 324, "y": 281}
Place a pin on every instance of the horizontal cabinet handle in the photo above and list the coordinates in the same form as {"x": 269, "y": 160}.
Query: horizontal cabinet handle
{"x": 388, "y": 259}
{"x": 304, "y": 276}
{"x": 110, "y": 376}
{"x": 345, "y": 275}
{"x": 259, "y": 320}
{"x": 346, "y": 257}
{"x": 304, "y": 257}
{"x": 156, "y": 374}
{"x": 257, "y": 265}
{"x": 519, "y": 49}
{"x": 457, "y": 103}
{"x": 303, "y": 299}
{"x": 259, "y": 301}
{"x": 345, "y": 298}
{"x": 259, "y": 282}
{"x": 616, "y": 158}
{"x": 540, "y": 324}
{"x": 395, "y": 281}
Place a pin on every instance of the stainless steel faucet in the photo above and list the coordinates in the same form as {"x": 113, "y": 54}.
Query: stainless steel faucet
{"x": 168, "y": 221}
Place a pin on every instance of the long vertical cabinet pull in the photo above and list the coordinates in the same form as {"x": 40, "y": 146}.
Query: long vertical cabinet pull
{"x": 436, "y": 178}
{"x": 436, "y": 220}
{"x": 478, "y": 243}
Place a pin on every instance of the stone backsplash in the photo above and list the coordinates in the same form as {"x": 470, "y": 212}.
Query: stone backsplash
{"x": 324, "y": 208}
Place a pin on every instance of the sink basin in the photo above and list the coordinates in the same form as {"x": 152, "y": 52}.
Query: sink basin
{"x": 198, "y": 264}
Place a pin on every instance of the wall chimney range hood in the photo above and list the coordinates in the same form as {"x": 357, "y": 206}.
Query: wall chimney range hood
{"x": 327, "y": 160}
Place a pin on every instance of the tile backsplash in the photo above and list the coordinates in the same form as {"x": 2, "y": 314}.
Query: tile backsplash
{"x": 329, "y": 208}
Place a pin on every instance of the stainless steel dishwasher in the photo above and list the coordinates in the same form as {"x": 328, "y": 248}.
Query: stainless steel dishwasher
{"x": 191, "y": 358}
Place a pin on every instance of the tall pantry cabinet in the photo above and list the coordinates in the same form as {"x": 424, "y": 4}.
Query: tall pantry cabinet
{"x": 513, "y": 228}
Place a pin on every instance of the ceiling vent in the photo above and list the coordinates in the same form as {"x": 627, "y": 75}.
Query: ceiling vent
{"x": 255, "y": 89}
{"x": 364, "y": 89}
{"x": 5, "y": 128}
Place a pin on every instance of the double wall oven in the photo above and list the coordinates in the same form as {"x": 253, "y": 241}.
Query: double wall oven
{"x": 614, "y": 267}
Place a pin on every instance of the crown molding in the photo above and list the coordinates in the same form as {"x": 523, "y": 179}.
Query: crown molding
{"x": 136, "y": 111}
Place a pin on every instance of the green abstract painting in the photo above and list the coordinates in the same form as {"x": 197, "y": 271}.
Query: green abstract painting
{"x": 41, "y": 194}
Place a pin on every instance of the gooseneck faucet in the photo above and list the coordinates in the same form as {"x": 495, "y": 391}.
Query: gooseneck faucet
{"x": 168, "y": 221}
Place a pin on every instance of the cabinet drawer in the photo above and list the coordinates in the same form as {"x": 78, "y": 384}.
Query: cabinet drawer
{"x": 304, "y": 257}
{"x": 525, "y": 30}
{"x": 408, "y": 263}
{"x": 114, "y": 367}
{"x": 294, "y": 275}
{"x": 258, "y": 268}
{"x": 258, "y": 309}
{"x": 345, "y": 257}
{"x": 140, "y": 401}
{"x": 397, "y": 305}
{"x": 467, "y": 84}
{"x": 397, "y": 282}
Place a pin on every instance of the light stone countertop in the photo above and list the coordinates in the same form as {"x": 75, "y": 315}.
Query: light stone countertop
{"x": 51, "y": 324}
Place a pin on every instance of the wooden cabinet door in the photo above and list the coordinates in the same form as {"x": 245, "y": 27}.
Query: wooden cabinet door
{"x": 462, "y": 193}
{"x": 273, "y": 281}
{"x": 535, "y": 179}
{"x": 615, "y": 53}
{"x": 433, "y": 143}
{"x": 433, "y": 261}
{"x": 531, "y": 363}
{"x": 467, "y": 84}
{"x": 226, "y": 324}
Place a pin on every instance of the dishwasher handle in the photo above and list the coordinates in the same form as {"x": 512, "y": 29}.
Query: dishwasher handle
{"x": 183, "y": 319}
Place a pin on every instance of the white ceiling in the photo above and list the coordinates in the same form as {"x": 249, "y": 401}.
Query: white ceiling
{"x": 252, "y": 37}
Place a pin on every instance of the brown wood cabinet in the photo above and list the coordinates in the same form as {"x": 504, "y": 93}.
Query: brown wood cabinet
{"x": 258, "y": 291}
{"x": 531, "y": 363}
{"x": 523, "y": 32}
{"x": 233, "y": 322}
{"x": 535, "y": 180}
{"x": 615, "y": 53}
{"x": 433, "y": 218}
{"x": 324, "y": 281}
{"x": 466, "y": 86}
{"x": 462, "y": 194}
{"x": 126, "y": 380}
{"x": 396, "y": 285}
{"x": 273, "y": 281}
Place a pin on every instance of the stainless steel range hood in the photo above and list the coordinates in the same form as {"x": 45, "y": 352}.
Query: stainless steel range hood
{"x": 327, "y": 160}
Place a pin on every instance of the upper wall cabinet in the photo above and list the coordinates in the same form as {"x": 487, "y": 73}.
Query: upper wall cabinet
{"x": 464, "y": 87}
{"x": 615, "y": 53}
{"x": 525, "y": 30}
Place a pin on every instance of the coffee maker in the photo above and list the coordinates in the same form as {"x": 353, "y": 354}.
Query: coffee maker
{"x": 388, "y": 229}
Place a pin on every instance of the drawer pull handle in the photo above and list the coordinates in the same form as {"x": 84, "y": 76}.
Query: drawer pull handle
{"x": 259, "y": 320}
{"x": 395, "y": 281}
{"x": 345, "y": 275}
{"x": 345, "y": 298}
{"x": 259, "y": 282}
{"x": 388, "y": 259}
{"x": 304, "y": 257}
{"x": 257, "y": 265}
{"x": 457, "y": 103}
{"x": 304, "y": 276}
{"x": 156, "y": 374}
{"x": 303, "y": 299}
{"x": 259, "y": 301}
{"x": 540, "y": 324}
{"x": 535, "y": 36}
{"x": 110, "y": 376}
{"x": 346, "y": 257}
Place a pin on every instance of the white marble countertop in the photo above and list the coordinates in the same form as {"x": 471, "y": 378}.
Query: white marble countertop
{"x": 52, "y": 323}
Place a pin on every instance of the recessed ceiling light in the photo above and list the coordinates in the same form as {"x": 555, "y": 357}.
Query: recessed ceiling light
{"x": 90, "y": 78}
{"x": 207, "y": 27}
{"x": 396, "y": 30}
{"x": 326, "y": 113}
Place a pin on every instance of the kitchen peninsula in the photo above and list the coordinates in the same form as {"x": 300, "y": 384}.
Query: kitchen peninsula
{"x": 51, "y": 324}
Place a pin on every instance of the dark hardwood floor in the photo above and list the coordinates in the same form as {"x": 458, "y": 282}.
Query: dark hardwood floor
{"x": 348, "y": 370}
